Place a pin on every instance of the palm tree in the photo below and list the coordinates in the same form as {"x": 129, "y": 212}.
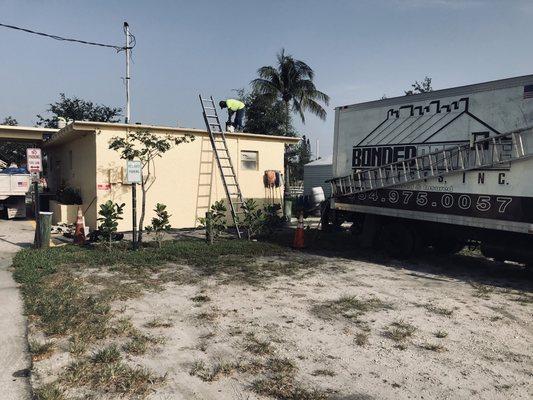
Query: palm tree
{"x": 291, "y": 81}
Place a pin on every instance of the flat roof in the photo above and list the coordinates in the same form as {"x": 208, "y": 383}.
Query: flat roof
{"x": 328, "y": 160}
{"x": 70, "y": 132}
{"x": 26, "y": 133}
{"x": 448, "y": 92}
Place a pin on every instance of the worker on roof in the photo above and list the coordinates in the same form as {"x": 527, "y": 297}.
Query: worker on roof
{"x": 234, "y": 107}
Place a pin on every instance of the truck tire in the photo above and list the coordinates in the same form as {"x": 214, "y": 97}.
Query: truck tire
{"x": 399, "y": 240}
{"x": 448, "y": 246}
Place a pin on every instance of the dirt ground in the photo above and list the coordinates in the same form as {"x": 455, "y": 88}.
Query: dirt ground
{"x": 343, "y": 327}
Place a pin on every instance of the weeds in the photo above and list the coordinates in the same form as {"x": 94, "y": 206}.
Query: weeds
{"x": 348, "y": 307}
{"x": 206, "y": 374}
{"x": 50, "y": 391}
{"x": 158, "y": 323}
{"x": 201, "y": 298}
{"x": 441, "y": 334}
{"x": 434, "y": 347}
{"x": 257, "y": 346}
{"x": 361, "y": 338}
{"x": 139, "y": 343}
{"x": 107, "y": 355}
{"x": 482, "y": 291}
{"x": 115, "y": 378}
{"x": 447, "y": 312}
{"x": 40, "y": 351}
{"x": 323, "y": 372}
{"x": 279, "y": 382}
{"x": 400, "y": 331}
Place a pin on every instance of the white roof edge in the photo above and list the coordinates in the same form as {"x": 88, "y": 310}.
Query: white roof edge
{"x": 453, "y": 91}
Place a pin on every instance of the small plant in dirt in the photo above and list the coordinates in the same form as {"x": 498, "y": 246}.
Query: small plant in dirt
{"x": 201, "y": 298}
{"x": 107, "y": 355}
{"x": 50, "y": 391}
{"x": 158, "y": 323}
{"x": 323, "y": 372}
{"x": 140, "y": 343}
{"x": 349, "y": 307}
{"x": 257, "y": 346}
{"x": 160, "y": 223}
{"x": 40, "y": 351}
{"x": 482, "y": 291}
{"x": 447, "y": 312}
{"x": 400, "y": 331}
{"x": 434, "y": 347}
{"x": 219, "y": 222}
{"x": 222, "y": 368}
{"x": 441, "y": 334}
{"x": 272, "y": 218}
{"x": 361, "y": 338}
{"x": 110, "y": 213}
{"x": 254, "y": 219}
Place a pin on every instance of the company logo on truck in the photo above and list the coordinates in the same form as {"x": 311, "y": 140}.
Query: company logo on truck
{"x": 415, "y": 129}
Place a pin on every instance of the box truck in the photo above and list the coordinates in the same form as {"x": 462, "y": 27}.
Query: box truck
{"x": 439, "y": 169}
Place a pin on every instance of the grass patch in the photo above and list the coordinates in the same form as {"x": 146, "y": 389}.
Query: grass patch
{"x": 115, "y": 378}
{"x": 206, "y": 374}
{"x": 50, "y": 391}
{"x": 158, "y": 323}
{"x": 482, "y": 291}
{"x": 446, "y": 312}
{"x": 201, "y": 298}
{"x": 441, "y": 334}
{"x": 257, "y": 346}
{"x": 279, "y": 382}
{"x": 434, "y": 347}
{"x": 140, "y": 343}
{"x": 107, "y": 355}
{"x": 348, "y": 307}
{"x": 361, "y": 338}
{"x": 323, "y": 372}
{"x": 40, "y": 351}
{"x": 400, "y": 331}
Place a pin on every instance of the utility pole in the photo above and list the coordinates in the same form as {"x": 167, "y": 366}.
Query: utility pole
{"x": 127, "y": 33}
{"x": 127, "y": 119}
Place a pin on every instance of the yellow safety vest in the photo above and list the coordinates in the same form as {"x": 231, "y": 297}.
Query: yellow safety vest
{"x": 234, "y": 105}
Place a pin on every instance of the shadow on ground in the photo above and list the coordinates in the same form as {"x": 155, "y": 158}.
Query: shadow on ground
{"x": 466, "y": 266}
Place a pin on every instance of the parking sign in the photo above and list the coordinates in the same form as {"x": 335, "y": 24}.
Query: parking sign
{"x": 134, "y": 171}
{"x": 34, "y": 160}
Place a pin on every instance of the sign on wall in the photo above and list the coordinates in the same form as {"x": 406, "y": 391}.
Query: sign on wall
{"x": 134, "y": 171}
{"x": 34, "y": 160}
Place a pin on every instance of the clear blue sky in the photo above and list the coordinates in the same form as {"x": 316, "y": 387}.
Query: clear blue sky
{"x": 359, "y": 50}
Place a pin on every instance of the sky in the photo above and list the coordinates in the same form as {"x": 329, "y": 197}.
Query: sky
{"x": 360, "y": 50}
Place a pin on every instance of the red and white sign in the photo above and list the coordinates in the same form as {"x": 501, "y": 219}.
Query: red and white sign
{"x": 103, "y": 186}
{"x": 34, "y": 159}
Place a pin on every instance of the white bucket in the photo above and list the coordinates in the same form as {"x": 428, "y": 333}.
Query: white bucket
{"x": 317, "y": 195}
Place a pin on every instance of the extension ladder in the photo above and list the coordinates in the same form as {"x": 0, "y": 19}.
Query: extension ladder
{"x": 225, "y": 165}
{"x": 485, "y": 153}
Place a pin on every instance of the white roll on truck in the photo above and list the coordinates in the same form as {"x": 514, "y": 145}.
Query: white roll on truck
{"x": 439, "y": 169}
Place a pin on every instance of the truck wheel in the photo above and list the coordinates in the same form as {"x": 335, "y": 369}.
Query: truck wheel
{"x": 399, "y": 240}
{"x": 448, "y": 246}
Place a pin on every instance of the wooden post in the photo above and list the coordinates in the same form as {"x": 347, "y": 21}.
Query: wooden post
{"x": 45, "y": 222}
{"x": 36, "y": 210}
{"x": 209, "y": 227}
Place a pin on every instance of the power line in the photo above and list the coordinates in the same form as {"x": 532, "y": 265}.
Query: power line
{"x": 60, "y": 38}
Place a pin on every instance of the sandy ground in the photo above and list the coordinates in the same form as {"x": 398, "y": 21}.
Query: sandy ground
{"x": 482, "y": 309}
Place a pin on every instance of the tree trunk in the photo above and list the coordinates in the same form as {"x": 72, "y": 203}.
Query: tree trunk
{"x": 287, "y": 129}
{"x": 143, "y": 211}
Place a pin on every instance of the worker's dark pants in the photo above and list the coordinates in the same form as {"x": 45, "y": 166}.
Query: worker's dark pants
{"x": 239, "y": 117}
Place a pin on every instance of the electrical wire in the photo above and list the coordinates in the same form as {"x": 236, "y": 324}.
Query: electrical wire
{"x": 60, "y": 38}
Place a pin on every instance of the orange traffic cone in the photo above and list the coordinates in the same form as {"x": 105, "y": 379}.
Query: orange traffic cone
{"x": 299, "y": 236}
{"x": 79, "y": 233}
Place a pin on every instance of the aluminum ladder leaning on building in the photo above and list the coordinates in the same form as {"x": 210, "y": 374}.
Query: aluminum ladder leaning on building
{"x": 485, "y": 153}
{"x": 222, "y": 155}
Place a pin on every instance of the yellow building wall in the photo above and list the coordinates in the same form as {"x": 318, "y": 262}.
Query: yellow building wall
{"x": 74, "y": 164}
{"x": 186, "y": 178}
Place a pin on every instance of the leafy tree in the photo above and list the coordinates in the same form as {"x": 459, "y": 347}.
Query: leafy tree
{"x": 76, "y": 109}
{"x": 110, "y": 213}
{"x": 291, "y": 81}
{"x": 298, "y": 156}
{"x": 265, "y": 115}
{"x": 160, "y": 223}
{"x": 146, "y": 147}
{"x": 420, "y": 87}
{"x": 10, "y": 121}
{"x": 253, "y": 220}
{"x": 218, "y": 218}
